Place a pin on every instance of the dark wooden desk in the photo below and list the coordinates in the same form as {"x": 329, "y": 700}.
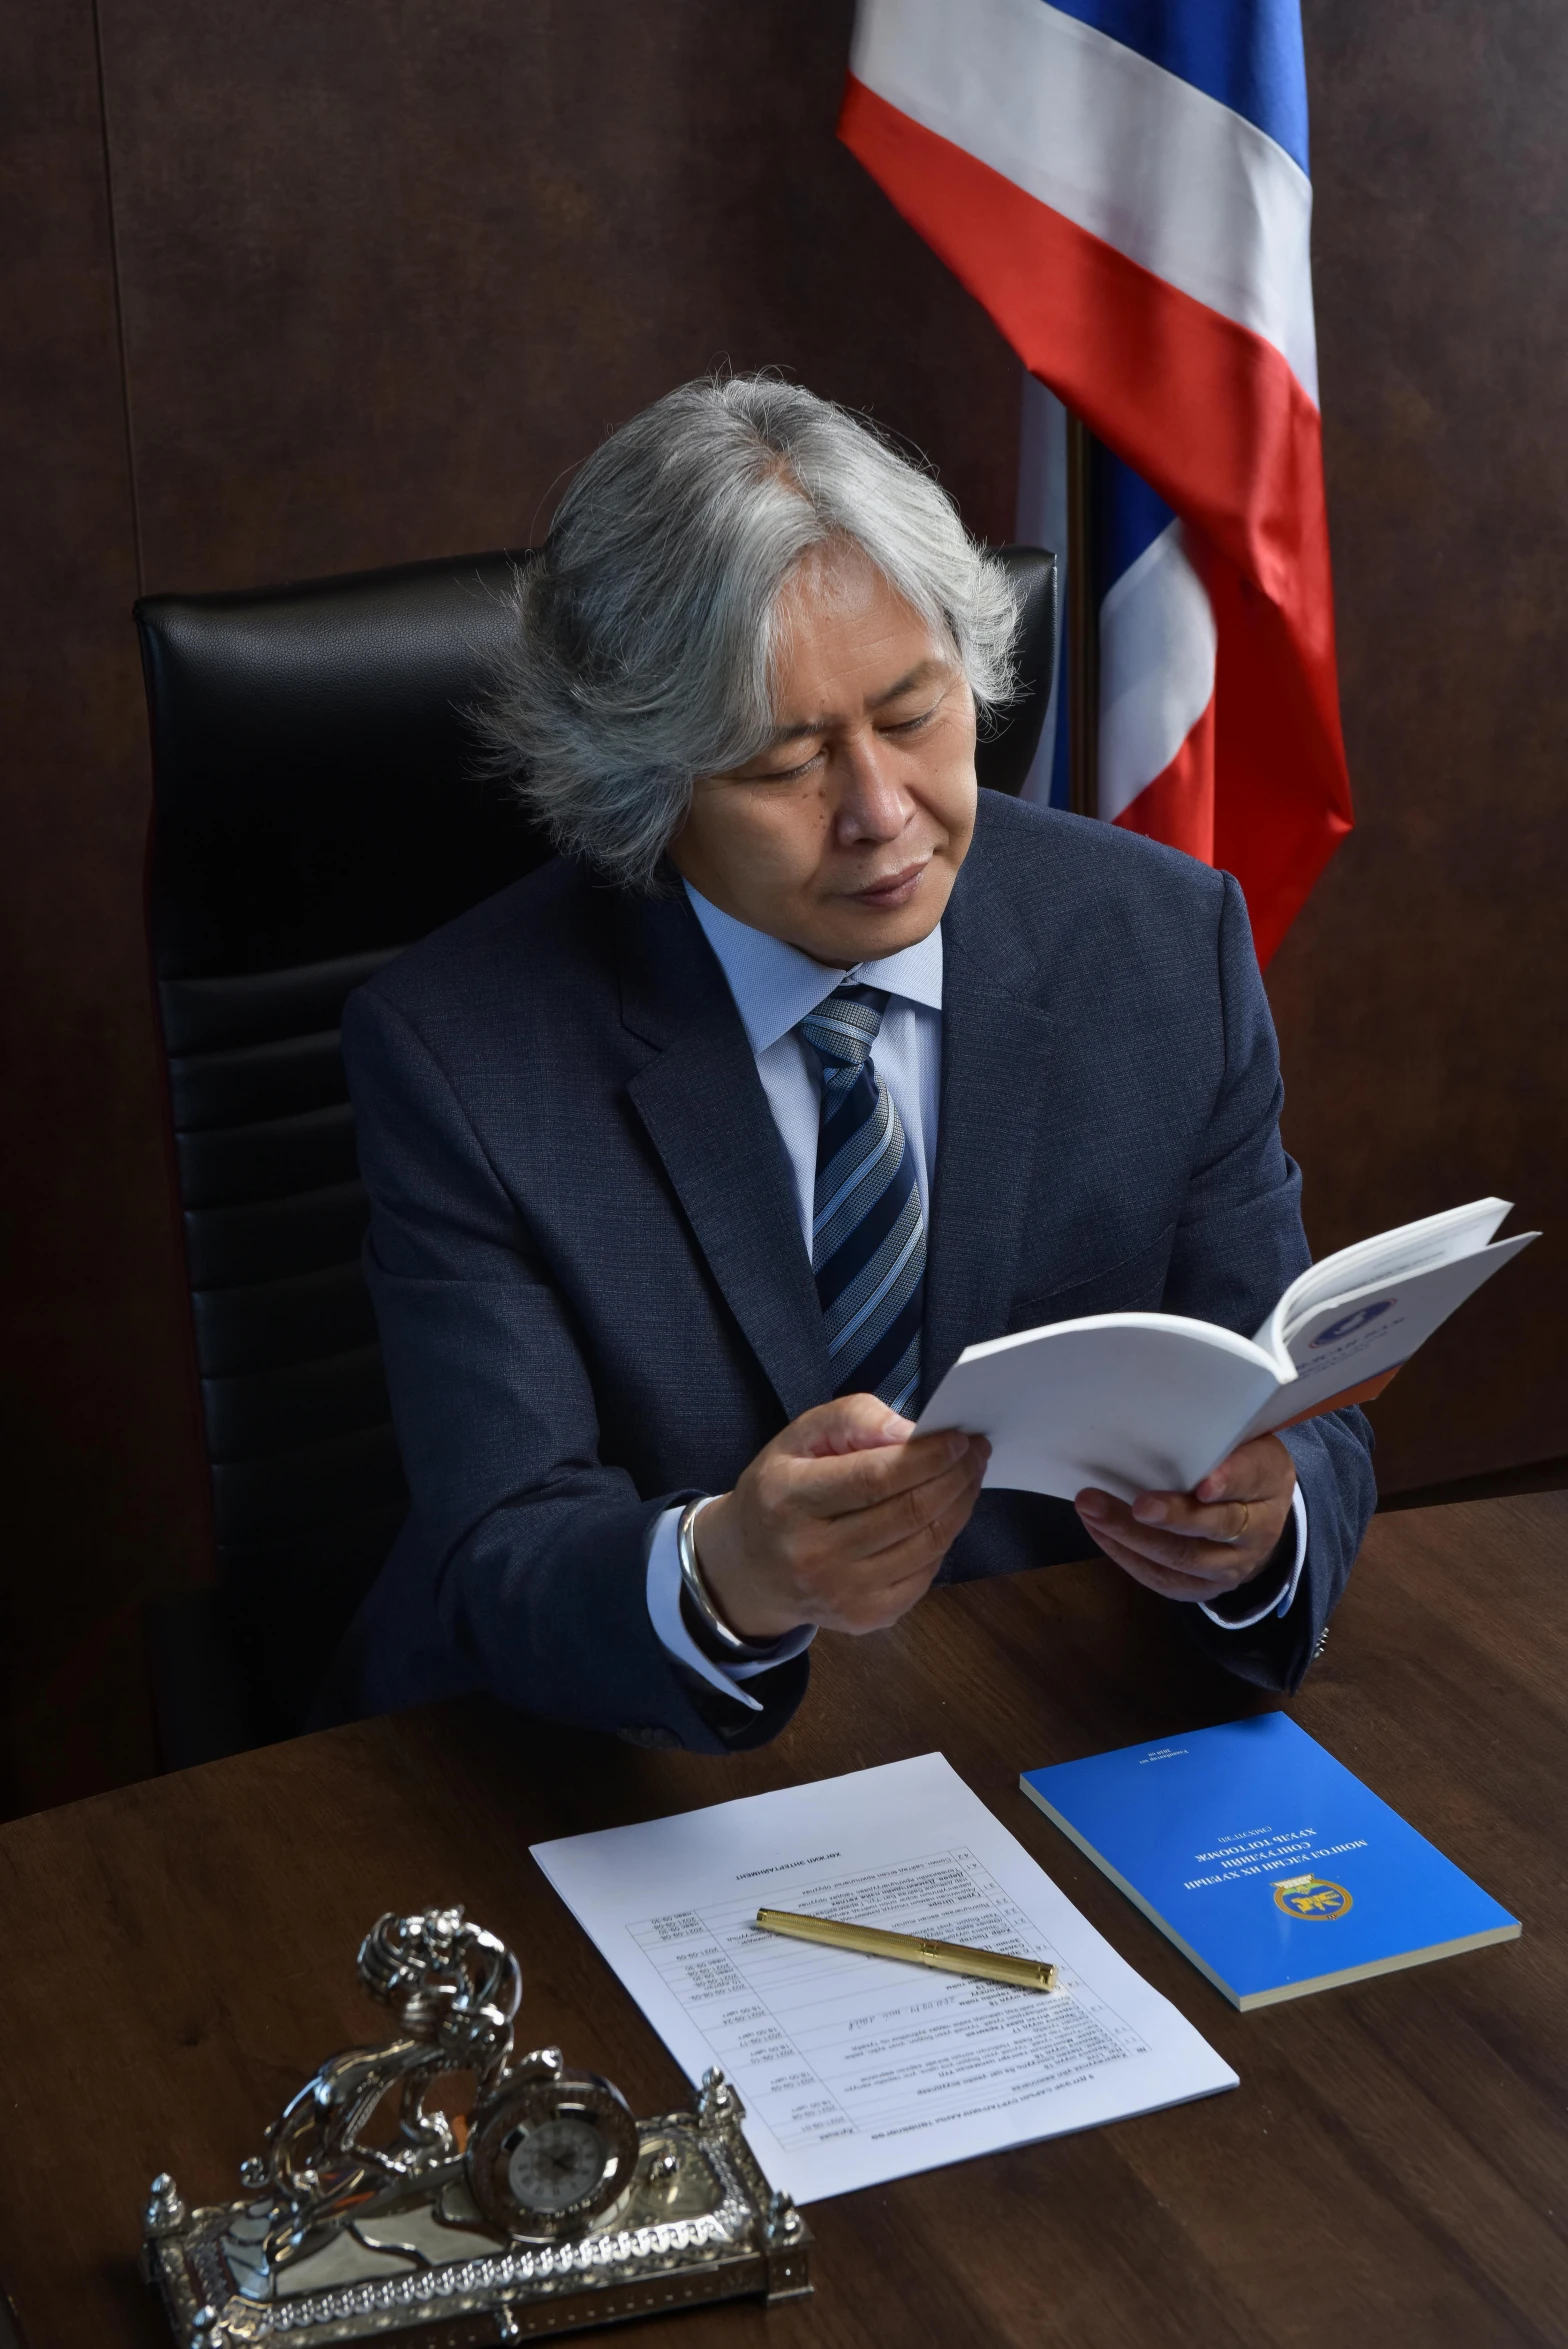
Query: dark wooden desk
{"x": 1393, "y": 2169}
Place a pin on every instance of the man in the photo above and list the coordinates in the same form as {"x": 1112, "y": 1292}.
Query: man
{"x": 697, "y": 1158}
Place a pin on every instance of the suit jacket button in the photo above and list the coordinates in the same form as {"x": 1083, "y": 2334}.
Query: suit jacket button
{"x": 649, "y": 1733}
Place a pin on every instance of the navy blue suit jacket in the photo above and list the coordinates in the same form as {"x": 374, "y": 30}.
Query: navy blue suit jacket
{"x": 590, "y": 1281}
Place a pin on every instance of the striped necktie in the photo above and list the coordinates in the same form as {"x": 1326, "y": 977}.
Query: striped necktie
{"x": 868, "y": 1240}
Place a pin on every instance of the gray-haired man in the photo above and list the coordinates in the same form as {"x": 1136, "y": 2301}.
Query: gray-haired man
{"x": 696, "y": 1158}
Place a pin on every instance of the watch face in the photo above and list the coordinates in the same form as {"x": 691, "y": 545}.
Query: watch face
{"x": 558, "y": 2163}
{"x": 551, "y": 2152}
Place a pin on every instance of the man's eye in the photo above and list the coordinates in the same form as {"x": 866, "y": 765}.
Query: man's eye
{"x": 913, "y": 725}
{"x": 785, "y": 774}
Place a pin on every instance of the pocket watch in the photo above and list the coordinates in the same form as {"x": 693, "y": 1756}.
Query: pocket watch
{"x": 551, "y": 2151}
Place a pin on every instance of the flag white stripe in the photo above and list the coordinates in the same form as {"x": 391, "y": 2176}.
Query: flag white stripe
{"x": 1183, "y": 186}
{"x": 1157, "y": 648}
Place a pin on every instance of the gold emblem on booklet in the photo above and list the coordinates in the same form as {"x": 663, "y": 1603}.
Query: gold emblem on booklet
{"x": 547, "y": 2208}
{"x": 1315, "y": 1899}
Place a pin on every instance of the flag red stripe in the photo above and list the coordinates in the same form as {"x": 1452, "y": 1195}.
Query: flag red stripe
{"x": 1231, "y": 442}
{"x": 1178, "y": 806}
{"x": 1282, "y": 798}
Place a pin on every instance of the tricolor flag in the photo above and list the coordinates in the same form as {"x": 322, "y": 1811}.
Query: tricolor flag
{"x": 1123, "y": 184}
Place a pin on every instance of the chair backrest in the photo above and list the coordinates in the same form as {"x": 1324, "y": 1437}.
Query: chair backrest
{"x": 319, "y": 804}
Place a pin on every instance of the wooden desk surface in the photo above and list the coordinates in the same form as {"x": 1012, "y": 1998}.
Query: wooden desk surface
{"x": 176, "y": 1958}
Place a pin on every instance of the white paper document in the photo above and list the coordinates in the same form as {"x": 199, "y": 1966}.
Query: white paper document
{"x": 855, "y": 2069}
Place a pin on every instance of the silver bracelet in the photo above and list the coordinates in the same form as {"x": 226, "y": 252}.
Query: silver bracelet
{"x": 744, "y": 1651}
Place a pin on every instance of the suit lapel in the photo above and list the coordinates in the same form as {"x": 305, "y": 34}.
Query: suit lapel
{"x": 1005, "y": 1060}
{"x": 702, "y": 1105}
{"x": 998, "y": 1051}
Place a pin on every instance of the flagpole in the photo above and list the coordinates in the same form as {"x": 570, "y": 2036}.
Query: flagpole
{"x": 1083, "y": 626}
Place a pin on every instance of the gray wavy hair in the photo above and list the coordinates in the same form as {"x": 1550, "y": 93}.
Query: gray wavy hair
{"x": 647, "y": 624}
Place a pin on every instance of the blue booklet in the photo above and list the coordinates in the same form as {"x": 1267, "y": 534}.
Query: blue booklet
{"x": 1265, "y": 1861}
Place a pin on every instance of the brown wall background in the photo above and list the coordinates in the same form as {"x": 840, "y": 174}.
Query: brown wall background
{"x": 1422, "y": 998}
{"x": 295, "y": 290}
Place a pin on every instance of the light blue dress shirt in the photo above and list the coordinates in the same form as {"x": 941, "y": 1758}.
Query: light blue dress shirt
{"x": 774, "y": 986}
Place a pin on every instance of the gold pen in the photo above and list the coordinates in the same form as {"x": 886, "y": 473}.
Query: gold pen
{"x": 947, "y": 1957}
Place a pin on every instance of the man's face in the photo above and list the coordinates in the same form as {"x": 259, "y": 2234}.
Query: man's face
{"x": 843, "y": 836}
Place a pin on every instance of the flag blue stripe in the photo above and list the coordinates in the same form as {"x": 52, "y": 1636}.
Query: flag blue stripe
{"x": 1131, "y": 516}
{"x": 1245, "y": 53}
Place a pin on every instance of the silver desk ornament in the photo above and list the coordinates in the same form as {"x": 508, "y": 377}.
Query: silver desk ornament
{"x": 372, "y": 2215}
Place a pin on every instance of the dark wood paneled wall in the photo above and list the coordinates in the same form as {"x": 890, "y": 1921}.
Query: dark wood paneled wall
{"x": 301, "y": 289}
{"x": 390, "y": 271}
{"x": 1422, "y": 998}
{"x": 100, "y": 1502}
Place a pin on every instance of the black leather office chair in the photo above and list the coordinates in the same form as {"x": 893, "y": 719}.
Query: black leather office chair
{"x": 318, "y": 804}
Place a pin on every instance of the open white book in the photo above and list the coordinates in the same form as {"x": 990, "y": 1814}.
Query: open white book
{"x": 1150, "y": 1402}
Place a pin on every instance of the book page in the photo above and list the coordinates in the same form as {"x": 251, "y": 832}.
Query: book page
{"x": 1391, "y": 1256}
{"x": 853, "y": 2069}
{"x": 1130, "y": 1402}
{"x": 1348, "y": 1348}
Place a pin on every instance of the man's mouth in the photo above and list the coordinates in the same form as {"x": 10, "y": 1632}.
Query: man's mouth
{"x": 894, "y": 889}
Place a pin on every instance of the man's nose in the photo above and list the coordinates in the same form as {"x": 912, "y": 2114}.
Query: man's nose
{"x": 873, "y": 805}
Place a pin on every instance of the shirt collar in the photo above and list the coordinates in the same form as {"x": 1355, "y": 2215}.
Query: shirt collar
{"x": 775, "y": 985}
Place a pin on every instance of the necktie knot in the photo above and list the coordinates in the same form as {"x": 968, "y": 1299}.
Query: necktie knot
{"x": 844, "y": 1027}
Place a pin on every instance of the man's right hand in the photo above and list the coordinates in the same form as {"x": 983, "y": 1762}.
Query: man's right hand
{"x": 842, "y": 1521}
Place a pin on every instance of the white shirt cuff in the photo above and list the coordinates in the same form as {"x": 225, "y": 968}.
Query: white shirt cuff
{"x": 1275, "y": 1606}
{"x": 664, "y": 1612}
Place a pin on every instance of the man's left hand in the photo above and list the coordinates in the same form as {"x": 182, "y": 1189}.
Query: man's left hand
{"x": 1200, "y": 1545}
